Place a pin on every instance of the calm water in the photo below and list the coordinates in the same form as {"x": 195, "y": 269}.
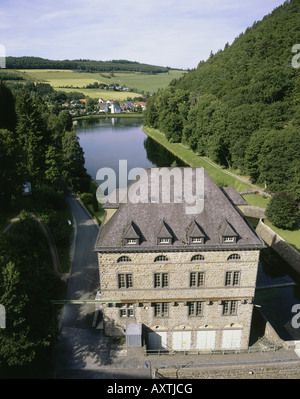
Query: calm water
{"x": 106, "y": 141}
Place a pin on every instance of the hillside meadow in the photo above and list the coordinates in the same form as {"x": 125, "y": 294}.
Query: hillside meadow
{"x": 69, "y": 80}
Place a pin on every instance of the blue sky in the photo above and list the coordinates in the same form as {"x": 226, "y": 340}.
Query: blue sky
{"x": 173, "y": 33}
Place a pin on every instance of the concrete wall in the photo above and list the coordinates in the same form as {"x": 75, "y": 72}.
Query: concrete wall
{"x": 252, "y": 211}
{"x": 286, "y": 251}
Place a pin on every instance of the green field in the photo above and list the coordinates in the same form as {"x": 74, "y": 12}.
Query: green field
{"x": 257, "y": 200}
{"x": 290, "y": 236}
{"x": 68, "y": 80}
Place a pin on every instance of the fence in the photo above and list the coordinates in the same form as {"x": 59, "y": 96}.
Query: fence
{"x": 263, "y": 345}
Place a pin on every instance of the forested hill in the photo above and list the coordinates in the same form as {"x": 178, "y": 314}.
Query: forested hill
{"x": 82, "y": 65}
{"x": 242, "y": 106}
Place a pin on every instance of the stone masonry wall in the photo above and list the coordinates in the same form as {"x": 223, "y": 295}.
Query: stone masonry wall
{"x": 179, "y": 266}
{"x": 281, "y": 370}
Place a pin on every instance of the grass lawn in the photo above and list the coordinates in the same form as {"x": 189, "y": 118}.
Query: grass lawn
{"x": 220, "y": 177}
{"x": 290, "y": 236}
{"x": 257, "y": 200}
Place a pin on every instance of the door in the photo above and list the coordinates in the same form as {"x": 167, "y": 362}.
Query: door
{"x": 231, "y": 339}
{"x": 157, "y": 340}
{"x": 206, "y": 340}
{"x": 181, "y": 340}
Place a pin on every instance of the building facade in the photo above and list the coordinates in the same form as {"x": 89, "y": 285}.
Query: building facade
{"x": 188, "y": 278}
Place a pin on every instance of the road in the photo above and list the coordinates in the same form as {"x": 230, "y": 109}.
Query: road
{"x": 77, "y": 339}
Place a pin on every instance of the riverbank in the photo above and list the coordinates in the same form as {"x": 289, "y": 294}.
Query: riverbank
{"x": 222, "y": 177}
{"x": 106, "y": 115}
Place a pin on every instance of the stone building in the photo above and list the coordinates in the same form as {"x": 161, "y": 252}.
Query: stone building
{"x": 186, "y": 274}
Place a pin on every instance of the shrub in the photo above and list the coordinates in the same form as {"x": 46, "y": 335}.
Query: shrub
{"x": 283, "y": 211}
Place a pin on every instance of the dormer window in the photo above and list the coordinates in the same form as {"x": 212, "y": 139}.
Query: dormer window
{"x": 229, "y": 239}
{"x": 164, "y": 240}
{"x": 228, "y": 234}
{"x": 132, "y": 234}
{"x": 197, "y": 240}
{"x": 164, "y": 234}
{"x": 196, "y": 233}
{"x": 132, "y": 241}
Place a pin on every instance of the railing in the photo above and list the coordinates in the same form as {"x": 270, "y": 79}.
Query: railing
{"x": 269, "y": 347}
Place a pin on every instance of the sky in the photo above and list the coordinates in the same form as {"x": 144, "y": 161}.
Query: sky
{"x": 173, "y": 33}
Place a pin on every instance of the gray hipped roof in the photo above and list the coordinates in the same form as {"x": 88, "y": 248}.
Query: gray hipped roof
{"x": 152, "y": 220}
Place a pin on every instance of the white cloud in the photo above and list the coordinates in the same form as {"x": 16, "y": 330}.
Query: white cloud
{"x": 161, "y": 32}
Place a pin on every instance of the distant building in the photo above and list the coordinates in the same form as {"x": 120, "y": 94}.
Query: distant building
{"x": 115, "y": 109}
{"x": 102, "y": 107}
{"x": 188, "y": 279}
{"x": 140, "y": 103}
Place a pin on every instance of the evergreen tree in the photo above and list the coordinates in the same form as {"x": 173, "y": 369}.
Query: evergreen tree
{"x": 33, "y": 137}
{"x": 8, "y": 118}
{"x": 73, "y": 163}
{"x": 10, "y": 180}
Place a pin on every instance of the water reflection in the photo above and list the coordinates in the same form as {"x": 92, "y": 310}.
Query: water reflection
{"x": 277, "y": 303}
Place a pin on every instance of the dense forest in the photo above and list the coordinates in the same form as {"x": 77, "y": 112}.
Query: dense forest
{"x": 38, "y": 145}
{"x": 241, "y": 107}
{"x": 82, "y": 65}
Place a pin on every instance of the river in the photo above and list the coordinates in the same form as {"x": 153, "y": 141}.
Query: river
{"x": 107, "y": 141}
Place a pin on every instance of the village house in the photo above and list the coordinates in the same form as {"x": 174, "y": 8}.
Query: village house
{"x": 142, "y": 104}
{"x": 102, "y": 107}
{"x": 185, "y": 281}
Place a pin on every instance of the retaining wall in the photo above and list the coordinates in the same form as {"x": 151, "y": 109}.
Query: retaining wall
{"x": 252, "y": 211}
{"x": 285, "y": 250}
{"x": 279, "y": 370}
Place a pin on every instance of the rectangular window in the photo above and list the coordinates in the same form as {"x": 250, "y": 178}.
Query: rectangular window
{"x": 161, "y": 309}
{"x": 161, "y": 280}
{"x": 232, "y": 278}
{"x": 229, "y": 308}
{"x": 195, "y": 308}
{"x": 196, "y": 279}
{"x": 125, "y": 280}
{"x": 228, "y": 239}
{"x": 196, "y": 240}
{"x": 131, "y": 241}
{"x": 164, "y": 241}
{"x": 127, "y": 310}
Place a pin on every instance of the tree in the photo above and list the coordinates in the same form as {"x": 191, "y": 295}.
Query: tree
{"x": 53, "y": 164}
{"x": 16, "y": 349}
{"x": 73, "y": 163}
{"x": 33, "y": 136}
{"x": 10, "y": 181}
{"x": 252, "y": 154}
{"x": 66, "y": 119}
{"x": 283, "y": 210}
{"x": 8, "y": 118}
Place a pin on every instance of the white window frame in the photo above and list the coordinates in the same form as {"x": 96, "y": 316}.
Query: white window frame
{"x": 229, "y": 239}
{"x": 164, "y": 241}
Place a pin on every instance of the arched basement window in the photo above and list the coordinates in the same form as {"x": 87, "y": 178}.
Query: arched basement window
{"x": 161, "y": 258}
{"x": 234, "y": 257}
{"x": 197, "y": 257}
{"x": 124, "y": 259}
